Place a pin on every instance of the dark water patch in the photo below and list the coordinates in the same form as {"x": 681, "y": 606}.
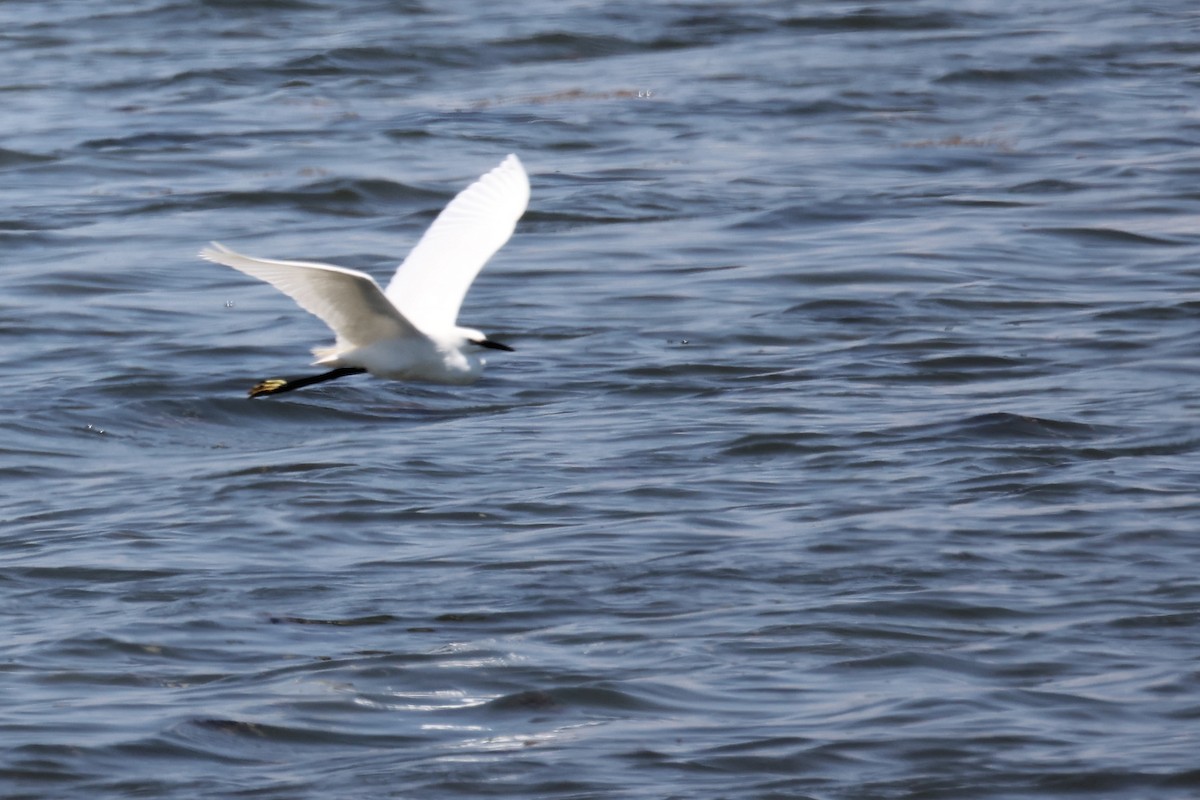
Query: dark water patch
{"x": 879, "y": 18}
{"x": 572, "y": 46}
{"x": 963, "y": 366}
{"x": 44, "y": 766}
{"x": 1112, "y": 236}
{"x": 1149, "y": 312}
{"x": 1039, "y": 75}
{"x": 79, "y": 574}
{"x": 316, "y": 470}
{"x": 1003, "y": 426}
{"x": 375, "y": 619}
{"x": 1142, "y": 446}
{"x": 984, "y": 202}
{"x": 1186, "y": 620}
{"x": 1112, "y": 779}
{"x": 246, "y": 739}
{"x": 362, "y": 197}
{"x": 1006, "y": 300}
{"x": 292, "y": 5}
{"x": 17, "y": 158}
{"x": 77, "y": 283}
{"x": 157, "y": 142}
{"x": 373, "y": 59}
{"x": 530, "y": 700}
{"x": 782, "y": 443}
{"x": 851, "y": 312}
{"x": 729, "y": 24}
{"x": 226, "y": 410}
{"x": 1048, "y": 186}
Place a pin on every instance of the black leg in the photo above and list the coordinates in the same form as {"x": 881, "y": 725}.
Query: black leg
{"x": 279, "y": 385}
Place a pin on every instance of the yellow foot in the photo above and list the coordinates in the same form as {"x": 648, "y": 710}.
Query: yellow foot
{"x": 269, "y": 386}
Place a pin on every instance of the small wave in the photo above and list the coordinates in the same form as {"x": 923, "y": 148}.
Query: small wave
{"x": 1047, "y": 186}
{"x": 1004, "y": 425}
{"x": 1106, "y": 235}
{"x": 19, "y": 158}
{"x": 1039, "y": 74}
{"x": 876, "y": 18}
{"x": 359, "y": 197}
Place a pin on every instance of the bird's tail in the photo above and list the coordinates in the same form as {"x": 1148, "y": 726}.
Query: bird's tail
{"x": 326, "y": 355}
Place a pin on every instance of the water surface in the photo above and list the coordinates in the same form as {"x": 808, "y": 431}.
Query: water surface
{"x": 848, "y": 450}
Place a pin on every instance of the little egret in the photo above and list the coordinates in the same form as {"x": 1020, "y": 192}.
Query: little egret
{"x": 407, "y": 332}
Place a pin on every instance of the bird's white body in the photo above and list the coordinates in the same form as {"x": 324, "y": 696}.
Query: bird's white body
{"x": 442, "y": 358}
{"x": 409, "y": 331}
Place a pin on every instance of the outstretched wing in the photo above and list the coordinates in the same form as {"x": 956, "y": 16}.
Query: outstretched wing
{"x": 348, "y": 301}
{"x": 430, "y": 285}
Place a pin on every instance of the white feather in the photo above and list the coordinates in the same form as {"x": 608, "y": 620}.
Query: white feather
{"x": 430, "y": 285}
{"x": 408, "y": 332}
{"x": 348, "y": 301}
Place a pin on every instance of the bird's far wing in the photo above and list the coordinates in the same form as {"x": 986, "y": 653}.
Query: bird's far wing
{"x": 430, "y": 285}
{"x": 348, "y": 301}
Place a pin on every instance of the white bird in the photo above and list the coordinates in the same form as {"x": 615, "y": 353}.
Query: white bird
{"x": 409, "y": 331}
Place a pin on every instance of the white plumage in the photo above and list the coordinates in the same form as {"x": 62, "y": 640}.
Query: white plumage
{"x": 410, "y": 331}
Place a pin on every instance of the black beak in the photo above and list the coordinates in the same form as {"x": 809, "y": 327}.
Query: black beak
{"x": 488, "y": 343}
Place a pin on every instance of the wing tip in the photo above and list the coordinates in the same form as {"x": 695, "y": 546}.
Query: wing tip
{"x": 512, "y": 172}
{"x": 512, "y": 162}
{"x": 213, "y": 251}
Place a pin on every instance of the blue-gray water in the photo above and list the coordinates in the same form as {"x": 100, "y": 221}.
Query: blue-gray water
{"x": 849, "y": 449}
